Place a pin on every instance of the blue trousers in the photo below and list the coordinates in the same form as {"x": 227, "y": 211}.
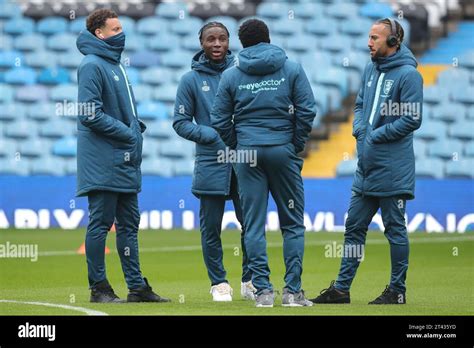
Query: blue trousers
{"x": 104, "y": 208}
{"x": 278, "y": 171}
{"x": 360, "y": 214}
{"x": 210, "y": 216}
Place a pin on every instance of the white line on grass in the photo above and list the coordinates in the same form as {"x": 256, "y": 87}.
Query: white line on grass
{"x": 46, "y": 304}
{"x": 422, "y": 240}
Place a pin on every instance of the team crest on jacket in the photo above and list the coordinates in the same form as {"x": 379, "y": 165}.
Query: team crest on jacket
{"x": 116, "y": 78}
{"x": 205, "y": 87}
{"x": 387, "y": 86}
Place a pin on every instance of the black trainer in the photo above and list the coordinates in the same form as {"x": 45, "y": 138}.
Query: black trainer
{"x": 145, "y": 294}
{"x": 332, "y": 295}
{"x": 103, "y": 293}
{"x": 390, "y": 296}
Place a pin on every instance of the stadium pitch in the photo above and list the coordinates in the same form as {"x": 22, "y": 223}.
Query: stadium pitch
{"x": 439, "y": 279}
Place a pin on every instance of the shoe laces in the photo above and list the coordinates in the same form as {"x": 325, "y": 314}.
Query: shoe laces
{"x": 386, "y": 291}
{"x": 327, "y": 289}
{"x": 223, "y": 288}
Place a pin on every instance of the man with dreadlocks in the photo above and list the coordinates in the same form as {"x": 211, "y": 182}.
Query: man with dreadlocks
{"x": 214, "y": 181}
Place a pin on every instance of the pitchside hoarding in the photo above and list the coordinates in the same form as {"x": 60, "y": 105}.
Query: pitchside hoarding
{"x": 166, "y": 203}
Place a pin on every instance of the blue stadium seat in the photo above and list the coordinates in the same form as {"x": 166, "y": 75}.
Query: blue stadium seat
{"x": 190, "y": 43}
{"x": 8, "y": 148}
{"x": 56, "y": 128}
{"x": 315, "y": 60}
{"x": 128, "y": 24}
{"x": 286, "y": 27}
{"x": 234, "y": 43}
{"x": 61, "y": 42}
{"x": 445, "y": 149}
{"x": 176, "y": 59}
{"x": 70, "y": 166}
{"x": 331, "y": 76}
{"x": 52, "y": 25}
{"x": 464, "y": 94}
{"x": 346, "y": 168}
{"x": 162, "y": 129}
{"x": 53, "y": 76}
{"x": 65, "y": 147}
{"x": 272, "y": 10}
{"x": 12, "y": 166}
{"x": 301, "y": 43}
{"x": 453, "y": 77}
{"x": 165, "y": 93}
{"x": 163, "y": 42}
{"x": 462, "y": 129}
{"x": 47, "y": 165}
{"x": 41, "y": 59}
{"x": 342, "y": 11}
{"x": 133, "y": 75}
{"x": 321, "y": 97}
{"x": 144, "y": 59}
{"x": 35, "y": 147}
{"x": 33, "y": 93}
{"x": 420, "y": 148}
{"x": 352, "y": 60}
{"x": 430, "y": 168}
{"x": 320, "y": 26}
{"x": 150, "y": 146}
{"x": 20, "y": 129}
{"x": 335, "y": 43}
{"x": 470, "y": 112}
{"x": 135, "y": 43}
{"x": 172, "y": 11}
{"x": 9, "y": 9}
{"x": 177, "y": 148}
{"x": 12, "y": 111}
{"x": 156, "y": 76}
{"x": 6, "y": 93}
{"x": 463, "y": 168}
{"x": 435, "y": 94}
{"x": 19, "y": 25}
{"x": 448, "y": 112}
{"x": 469, "y": 149}
{"x": 307, "y": 10}
{"x": 186, "y": 26}
{"x": 151, "y": 25}
{"x": 42, "y": 111}
{"x": 10, "y": 59}
{"x": 142, "y": 92}
{"x": 20, "y": 76}
{"x": 78, "y": 24}
{"x": 376, "y": 10}
{"x": 184, "y": 167}
{"x": 30, "y": 42}
{"x": 467, "y": 60}
{"x": 6, "y": 42}
{"x": 356, "y": 26}
{"x": 151, "y": 110}
{"x": 64, "y": 92}
{"x": 70, "y": 60}
{"x": 158, "y": 166}
{"x": 431, "y": 130}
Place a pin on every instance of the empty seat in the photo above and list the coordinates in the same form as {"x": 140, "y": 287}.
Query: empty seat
{"x": 133, "y": 75}
{"x": 320, "y": 26}
{"x": 20, "y": 76}
{"x": 165, "y": 93}
{"x": 12, "y": 166}
{"x": 12, "y": 111}
{"x": 162, "y": 129}
{"x": 8, "y": 147}
{"x": 301, "y": 43}
{"x": 65, "y": 147}
{"x": 375, "y": 10}
{"x": 156, "y": 76}
{"x": 79, "y": 24}
{"x": 35, "y": 147}
{"x": 335, "y": 43}
{"x": 70, "y": 166}
{"x": 430, "y": 167}
{"x": 53, "y": 76}
{"x": 287, "y": 27}
{"x": 20, "y": 129}
{"x": 462, "y": 129}
{"x": 186, "y": 26}
{"x": 453, "y": 77}
{"x": 6, "y": 93}
{"x": 174, "y": 11}
{"x": 307, "y": 10}
{"x": 56, "y": 128}
{"x": 163, "y": 42}
{"x": 10, "y": 59}
{"x": 152, "y": 110}
{"x": 430, "y": 130}
{"x": 177, "y": 148}
{"x": 420, "y": 148}
{"x": 135, "y": 43}
{"x": 42, "y": 111}
{"x": 157, "y": 166}
{"x": 469, "y": 149}
{"x": 184, "y": 167}
{"x": 33, "y": 93}
{"x": 331, "y": 76}
{"x": 435, "y": 94}
{"x": 70, "y": 60}
{"x": 61, "y": 42}
{"x": 190, "y": 43}
{"x": 63, "y": 93}
{"x": 142, "y": 93}
{"x": 464, "y": 95}
{"x": 144, "y": 59}
{"x": 6, "y": 42}
{"x": 445, "y": 148}
{"x": 30, "y": 42}
{"x": 41, "y": 59}
{"x": 9, "y": 9}
{"x": 448, "y": 112}
{"x": 176, "y": 59}
{"x": 467, "y": 60}
{"x": 52, "y": 25}
{"x": 346, "y": 168}
{"x": 355, "y": 26}
{"x": 272, "y": 10}
{"x": 342, "y": 11}
{"x": 150, "y": 146}
{"x": 47, "y": 166}
{"x": 151, "y": 25}
{"x": 462, "y": 168}
{"x": 19, "y": 25}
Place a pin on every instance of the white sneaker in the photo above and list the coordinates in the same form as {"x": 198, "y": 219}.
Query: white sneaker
{"x": 221, "y": 292}
{"x": 247, "y": 290}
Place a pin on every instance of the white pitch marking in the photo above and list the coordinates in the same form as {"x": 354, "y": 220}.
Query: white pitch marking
{"x": 270, "y": 245}
{"x": 46, "y": 304}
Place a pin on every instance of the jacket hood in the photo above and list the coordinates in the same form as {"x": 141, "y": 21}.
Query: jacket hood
{"x": 201, "y": 63}
{"x": 89, "y": 44}
{"x": 261, "y": 59}
{"x": 402, "y": 57}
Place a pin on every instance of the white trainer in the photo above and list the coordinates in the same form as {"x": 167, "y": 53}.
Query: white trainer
{"x": 221, "y": 292}
{"x": 247, "y": 290}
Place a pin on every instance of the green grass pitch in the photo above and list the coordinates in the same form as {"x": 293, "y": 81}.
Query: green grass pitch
{"x": 440, "y": 276}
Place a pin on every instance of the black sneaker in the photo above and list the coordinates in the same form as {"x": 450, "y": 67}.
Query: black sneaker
{"x": 332, "y": 295}
{"x": 390, "y": 296}
{"x": 103, "y": 293}
{"x": 145, "y": 294}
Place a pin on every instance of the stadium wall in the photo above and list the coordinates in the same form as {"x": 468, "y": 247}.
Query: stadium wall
{"x": 42, "y": 202}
